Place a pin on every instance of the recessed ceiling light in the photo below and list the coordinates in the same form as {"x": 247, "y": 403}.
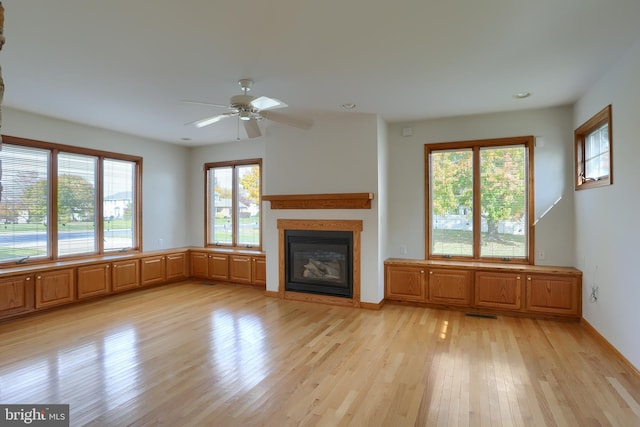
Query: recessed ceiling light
{"x": 348, "y": 106}
{"x": 522, "y": 95}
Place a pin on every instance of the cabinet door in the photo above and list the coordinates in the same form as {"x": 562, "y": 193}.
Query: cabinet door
{"x": 55, "y": 288}
{"x": 153, "y": 270}
{"x": 16, "y": 295}
{"x": 125, "y": 275}
{"x": 94, "y": 280}
{"x": 259, "y": 270}
{"x": 199, "y": 265}
{"x": 451, "y": 287}
{"x": 498, "y": 290}
{"x": 405, "y": 283}
{"x": 553, "y": 294}
{"x": 176, "y": 267}
{"x": 219, "y": 266}
{"x": 240, "y": 268}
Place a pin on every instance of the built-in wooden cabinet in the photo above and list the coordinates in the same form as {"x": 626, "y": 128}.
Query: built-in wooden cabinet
{"x": 125, "y": 275}
{"x": 199, "y": 264}
{"x": 229, "y": 266}
{"x": 248, "y": 269}
{"x": 27, "y": 288}
{"x": 94, "y": 280}
{"x": 551, "y": 294}
{"x": 406, "y": 283}
{"x": 240, "y": 268}
{"x": 448, "y": 286}
{"x": 218, "y": 266}
{"x": 55, "y": 288}
{"x": 498, "y": 290}
{"x": 259, "y": 270}
{"x": 504, "y": 288}
{"x": 176, "y": 267}
{"x": 16, "y": 295}
{"x": 153, "y": 270}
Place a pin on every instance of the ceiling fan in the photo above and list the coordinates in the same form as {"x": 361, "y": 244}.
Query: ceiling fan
{"x": 249, "y": 110}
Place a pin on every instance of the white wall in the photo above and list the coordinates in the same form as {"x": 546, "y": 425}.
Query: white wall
{"x": 553, "y": 176}
{"x": 607, "y": 229}
{"x": 164, "y": 170}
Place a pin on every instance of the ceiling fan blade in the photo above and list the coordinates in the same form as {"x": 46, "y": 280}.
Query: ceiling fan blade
{"x": 205, "y": 103}
{"x": 208, "y": 120}
{"x": 297, "y": 122}
{"x": 252, "y": 128}
{"x": 266, "y": 103}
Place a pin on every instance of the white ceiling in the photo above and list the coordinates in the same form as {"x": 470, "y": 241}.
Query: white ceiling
{"x": 126, "y": 65}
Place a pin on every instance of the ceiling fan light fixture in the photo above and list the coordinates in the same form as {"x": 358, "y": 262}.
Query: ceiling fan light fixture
{"x": 244, "y": 115}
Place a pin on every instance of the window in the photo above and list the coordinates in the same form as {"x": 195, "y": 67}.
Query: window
{"x": 233, "y": 194}
{"x": 594, "y": 162}
{"x": 479, "y": 200}
{"x": 62, "y": 201}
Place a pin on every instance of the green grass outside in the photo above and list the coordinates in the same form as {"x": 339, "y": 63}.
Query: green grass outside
{"x": 460, "y": 242}
{"x": 247, "y": 235}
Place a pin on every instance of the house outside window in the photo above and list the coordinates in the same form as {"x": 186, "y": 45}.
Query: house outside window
{"x": 57, "y": 201}
{"x": 593, "y": 151}
{"x": 479, "y": 200}
{"x": 233, "y": 194}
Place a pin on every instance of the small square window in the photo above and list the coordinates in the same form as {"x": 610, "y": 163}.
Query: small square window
{"x": 594, "y": 160}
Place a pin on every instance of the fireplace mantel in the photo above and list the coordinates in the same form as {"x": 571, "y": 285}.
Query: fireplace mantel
{"x": 321, "y": 201}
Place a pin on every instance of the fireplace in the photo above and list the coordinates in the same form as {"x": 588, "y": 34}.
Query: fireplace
{"x": 341, "y": 241}
{"x": 319, "y": 262}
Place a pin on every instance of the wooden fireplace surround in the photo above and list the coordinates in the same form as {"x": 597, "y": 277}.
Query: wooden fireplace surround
{"x": 323, "y": 225}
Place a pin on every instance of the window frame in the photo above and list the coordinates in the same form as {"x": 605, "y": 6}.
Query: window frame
{"x": 475, "y": 146}
{"x": 52, "y": 185}
{"x": 601, "y": 118}
{"x": 233, "y": 164}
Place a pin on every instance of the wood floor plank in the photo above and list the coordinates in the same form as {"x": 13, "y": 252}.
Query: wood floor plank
{"x": 196, "y": 354}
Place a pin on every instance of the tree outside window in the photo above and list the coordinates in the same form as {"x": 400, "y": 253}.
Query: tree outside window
{"x": 479, "y": 200}
{"x": 233, "y": 193}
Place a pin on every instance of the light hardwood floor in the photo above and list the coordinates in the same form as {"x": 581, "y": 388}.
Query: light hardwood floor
{"x": 195, "y": 354}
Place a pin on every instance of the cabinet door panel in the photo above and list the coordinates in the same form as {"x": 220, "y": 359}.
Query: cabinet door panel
{"x": 259, "y": 270}
{"x": 199, "y": 265}
{"x": 125, "y": 275}
{"x": 498, "y": 290}
{"x": 240, "y": 268}
{"x": 16, "y": 295}
{"x": 55, "y": 288}
{"x": 152, "y": 270}
{"x": 449, "y": 286}
{"x": 553, "y": 294}
{"x": 405, "y": 283}
{"x": 176, "y": 266}
{"x": 94, "y": 280}
{"x": 219, "y": 266}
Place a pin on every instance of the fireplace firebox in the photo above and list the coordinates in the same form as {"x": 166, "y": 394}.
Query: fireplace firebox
{"x": 319, "y": 262}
